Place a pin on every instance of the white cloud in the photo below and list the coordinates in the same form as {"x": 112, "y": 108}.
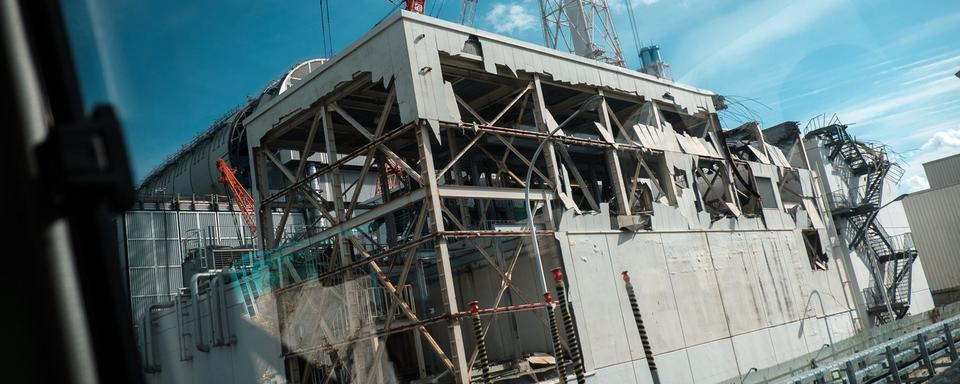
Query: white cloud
{"x": 511, "y": 18}
{"x": 940, "y": 144}
{"x": 914, "y": 183}
{"x": 943, "y": 139}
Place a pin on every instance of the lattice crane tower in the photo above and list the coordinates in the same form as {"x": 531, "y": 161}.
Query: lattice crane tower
{"x": 583, "y": 27}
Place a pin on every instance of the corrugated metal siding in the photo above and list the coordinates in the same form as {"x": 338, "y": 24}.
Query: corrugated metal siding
{"x": 208, "y": 223}
{"x": 143, "y": 282}
{"x": 140, "y": 253}
{"x": 139, "y": 225}
{"x": 140, "y": 305}
{"x": 935, "y": 218}
{"x": 188, "y": 224}
{"x": 943, "y": 172}
{"x": 175, "y": 278}
{"x": 168, "y": 252}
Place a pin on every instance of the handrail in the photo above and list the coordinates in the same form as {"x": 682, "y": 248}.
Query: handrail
{"x": 876, "y": 350}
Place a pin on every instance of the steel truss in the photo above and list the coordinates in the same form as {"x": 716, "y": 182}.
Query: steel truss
{"x": 460, "y": 187}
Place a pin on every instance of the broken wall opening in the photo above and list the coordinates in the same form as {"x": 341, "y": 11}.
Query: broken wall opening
{"x": 745, "y": 189}
{"x": 712, "y": 183}
{"x": 814, "y": 249}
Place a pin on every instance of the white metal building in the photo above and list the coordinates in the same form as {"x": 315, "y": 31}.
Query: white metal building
{"x": 934, "y": 215}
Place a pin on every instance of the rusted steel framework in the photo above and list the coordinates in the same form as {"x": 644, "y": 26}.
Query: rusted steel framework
{"x": 457, "y": 211}
{"x": 462, "y": 188}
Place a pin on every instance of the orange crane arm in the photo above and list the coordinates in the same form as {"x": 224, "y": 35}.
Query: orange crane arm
{"x": 240, "y": 194}
{"x": 417, "y": 6}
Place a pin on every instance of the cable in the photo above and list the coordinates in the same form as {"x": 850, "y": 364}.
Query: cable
{"x": 442, "y": 3}
{"x": 329, "y": 30}
{"x": 633, "y": 26}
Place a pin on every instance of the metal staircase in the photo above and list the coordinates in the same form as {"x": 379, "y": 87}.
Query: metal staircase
{"x": 890, "y": 261}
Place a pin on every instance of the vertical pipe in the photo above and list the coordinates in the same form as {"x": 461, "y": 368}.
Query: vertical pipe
{"x": 555, "y": 334}
{"x": 145, "y": 328}
{"x": 213, "y": 306}
{"x": 851, "y": 373}
{"x": 149, "y": 357}
{"x": 644, "y": 340}
{"x": 197, "y": 325}
{"x": 569, "y": 327}
{"x": 925, "y": 354}
{"x": 481, "y": 344}
{"x": 892, "y": 366}
{"x": 951, "y": 347}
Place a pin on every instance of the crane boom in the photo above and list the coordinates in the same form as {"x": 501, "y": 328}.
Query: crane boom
{"x": 240, "y": 194}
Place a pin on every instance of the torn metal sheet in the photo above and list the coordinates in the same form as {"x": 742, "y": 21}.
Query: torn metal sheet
{"x": 777, "y": 156}
{"x": 756, "y": 152}
{"x": 814, "y": 213}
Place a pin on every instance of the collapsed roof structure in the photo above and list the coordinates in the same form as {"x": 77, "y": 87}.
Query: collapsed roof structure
{"x": 411, "y": 150}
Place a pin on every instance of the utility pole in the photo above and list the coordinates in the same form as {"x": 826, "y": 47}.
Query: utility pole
{"x": 583, "y": 27}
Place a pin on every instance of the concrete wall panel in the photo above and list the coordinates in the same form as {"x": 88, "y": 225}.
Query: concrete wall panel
{"x": 743, "y": 302}
{"x": 841, "y": 325}
{"x": 754, "y": 350}
{"x": 788, "y": 341}
{"x": 642, "y": 255}
{"x": 674, "y": 367}
{"x": 642, "y": 371}
{"x": 713, "y": 362}
{"x": 599, "y": 290}
{"x": 698, "y": 296}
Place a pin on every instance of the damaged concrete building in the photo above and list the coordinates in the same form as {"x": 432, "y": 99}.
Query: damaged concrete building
{"x": 417, "y": 262}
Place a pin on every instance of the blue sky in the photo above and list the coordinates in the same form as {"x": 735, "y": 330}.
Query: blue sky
{"x": 886, "y": 66}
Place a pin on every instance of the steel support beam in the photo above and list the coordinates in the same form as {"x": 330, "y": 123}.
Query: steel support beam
{"x": 267, "y": 238}
{"x": 613, "y": 163}
{"x": 471, "y": 192}
{"x": 393, "y": 205}
{"x": 546, "y": 123}
{"x": 340, "y": 162}
{"x": 336, "y": 186}
{"x": 445, "y": 273}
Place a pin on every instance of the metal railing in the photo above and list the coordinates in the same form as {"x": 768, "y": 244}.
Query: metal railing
{"x": 845, "y": 198}
{"x": 902, "y": 242}
{"x": 375, "y": 302}
{"x": 911, "y": 354}
{"x": 898, "y": 295}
